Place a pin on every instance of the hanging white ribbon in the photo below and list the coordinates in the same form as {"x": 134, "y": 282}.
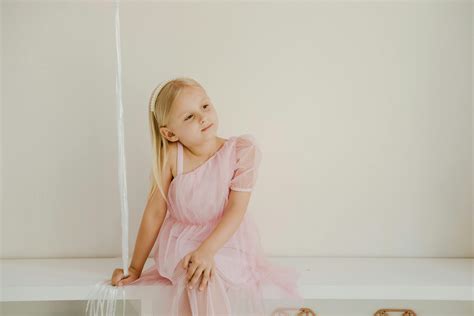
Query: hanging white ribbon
{"x": 121, "y": 154}
{"x": 103, "y": 298}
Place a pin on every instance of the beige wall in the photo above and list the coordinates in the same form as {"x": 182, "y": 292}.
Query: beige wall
{"x": 363, "y": 112}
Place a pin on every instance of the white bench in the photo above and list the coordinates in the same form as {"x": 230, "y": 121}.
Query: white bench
{"x": 426, "y": 281}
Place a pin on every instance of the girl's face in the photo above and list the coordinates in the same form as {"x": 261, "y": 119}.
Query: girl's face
{"x": 193, "y": 118}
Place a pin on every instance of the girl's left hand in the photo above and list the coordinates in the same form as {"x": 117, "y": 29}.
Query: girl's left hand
{"x": 200, "y": 261}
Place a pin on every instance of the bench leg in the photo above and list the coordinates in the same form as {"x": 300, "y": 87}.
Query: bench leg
{"x": 146, "y": 307}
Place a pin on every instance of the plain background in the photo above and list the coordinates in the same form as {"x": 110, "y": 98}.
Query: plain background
{"x": 363, "y": 111}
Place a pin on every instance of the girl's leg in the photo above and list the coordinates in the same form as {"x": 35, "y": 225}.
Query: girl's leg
{"x": 179, "y": 304}
{"x": 212, "y": 300}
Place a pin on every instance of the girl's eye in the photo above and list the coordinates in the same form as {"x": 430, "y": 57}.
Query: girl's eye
{"x": 205, "y": 106}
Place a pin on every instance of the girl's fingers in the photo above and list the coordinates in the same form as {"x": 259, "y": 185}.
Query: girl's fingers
{"x": 196, "y": 276}
{"x": 191, "y": 270}
{"x": 205, "y": 278}
{"x": 186, "y": 261}
{"x": 116, "y": 277}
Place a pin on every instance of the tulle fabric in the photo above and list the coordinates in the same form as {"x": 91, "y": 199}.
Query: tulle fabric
{"x": 243, "y": 274}
{"x": 248, "y": 158}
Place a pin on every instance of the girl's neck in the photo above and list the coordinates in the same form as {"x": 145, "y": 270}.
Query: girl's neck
{"x": 207, "y": 149}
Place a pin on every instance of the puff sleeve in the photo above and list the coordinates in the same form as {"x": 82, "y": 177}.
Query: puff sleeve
{"x": 248, "y": 156}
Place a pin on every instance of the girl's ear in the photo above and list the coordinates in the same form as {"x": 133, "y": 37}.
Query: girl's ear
{"x": 168, "y": 134}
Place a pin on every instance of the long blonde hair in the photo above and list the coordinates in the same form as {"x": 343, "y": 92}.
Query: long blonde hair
{"x": 159, "y": 109}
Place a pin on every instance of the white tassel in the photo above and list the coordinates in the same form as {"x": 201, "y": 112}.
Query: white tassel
{"x": 102, "y": 300}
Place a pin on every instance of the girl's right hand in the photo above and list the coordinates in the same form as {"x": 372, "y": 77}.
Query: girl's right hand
{"x": 118, "y": 277}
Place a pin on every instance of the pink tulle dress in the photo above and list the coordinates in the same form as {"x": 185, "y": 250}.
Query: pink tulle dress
{"x": 196, "y": 202}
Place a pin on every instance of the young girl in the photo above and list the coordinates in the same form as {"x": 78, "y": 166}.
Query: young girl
{"x": 208, "y": 246}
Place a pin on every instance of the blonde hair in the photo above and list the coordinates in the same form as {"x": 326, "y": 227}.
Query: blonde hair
{"x": 159, "y": 110}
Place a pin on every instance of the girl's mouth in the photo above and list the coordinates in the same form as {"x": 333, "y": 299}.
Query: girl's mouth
{"x": 205, "y": 129}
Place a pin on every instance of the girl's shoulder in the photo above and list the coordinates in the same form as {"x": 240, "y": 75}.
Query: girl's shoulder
{"x": 241, "y": 144}
{"x": 246, "y": 141}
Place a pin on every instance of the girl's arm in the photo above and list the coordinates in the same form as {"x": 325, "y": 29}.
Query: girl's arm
{"x": 153, "y": 217}
{"x": 200, "y": 261}
{"x": 230, "y": 221}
